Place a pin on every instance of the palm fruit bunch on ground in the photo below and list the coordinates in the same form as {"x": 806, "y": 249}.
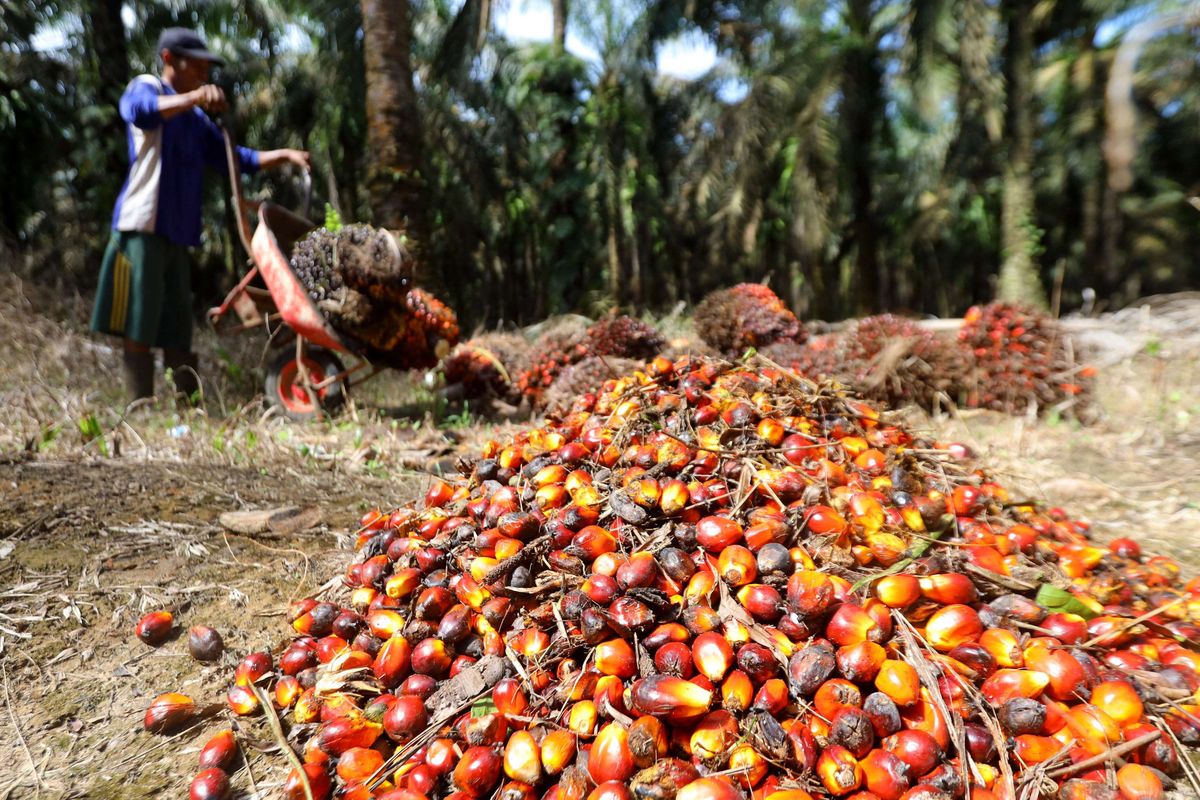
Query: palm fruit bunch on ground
{"x": 816, "y": 358}
{"x": 486, "y": 365}
{"x": 718, "y": 582}
{"x": 584, "y": 377}
{"x": 744, "y": 316}
{"x": 613, "y": 335}
{"x": 1019, "y": 359}
{"x": 895, "y": 361}
{"x": 359, "y": 279}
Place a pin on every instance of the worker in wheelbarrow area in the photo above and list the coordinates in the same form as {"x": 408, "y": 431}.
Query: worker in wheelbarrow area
{"x": 144, "y": 294}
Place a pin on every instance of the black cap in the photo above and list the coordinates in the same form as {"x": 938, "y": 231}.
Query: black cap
{"x": 187, "y": 43}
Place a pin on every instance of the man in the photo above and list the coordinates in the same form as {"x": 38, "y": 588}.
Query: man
{"x": 144, "y": 295}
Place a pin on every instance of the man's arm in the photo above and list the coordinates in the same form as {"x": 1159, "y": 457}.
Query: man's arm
{"x": 208, "y": 97}
{"x": 269, "y": 159}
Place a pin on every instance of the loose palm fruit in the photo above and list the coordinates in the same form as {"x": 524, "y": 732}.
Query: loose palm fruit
{"x": 557, "y": 751}
{"x": 220, "y": 751}
{"x": 478, "y": 772}
{"x": 951, "y": 626}
{"x": 709, "y": 789}
{"x": 209, "y": 784}
{"x": 839, "y": 770}
{"x": 610, "y": 758}
{"x": 204, "y": 643}
{"x": 405, "y": 718}
{"x": 899, "y": 681}
{"x": 522, "y": 758}
{"x": 169, "y": 712}
{"x": 155, "y": 627}
{"x": 917, "y": 749}
{"x": 885, "y": 774}
{"x": 1119, "y": 701}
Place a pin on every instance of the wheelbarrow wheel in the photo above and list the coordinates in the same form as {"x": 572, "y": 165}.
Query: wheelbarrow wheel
{"x": 285, "y": 389}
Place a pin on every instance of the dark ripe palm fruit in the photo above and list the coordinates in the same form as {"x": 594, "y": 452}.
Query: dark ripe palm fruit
{"x": 430, "y": 657}
{"x": 220, "y": 751}
{"x": 631, "y": 616}
{"x": 169, "y": 712}
{"x": 209, "y": 784}
{"x": 757, "y": 662}
{"x": 674, "y": 658}
{"x": 763, "y": 602}
{"x": 839, "y": 771}
{"x": 204, "y": 644}
{"x": 916, "y": 748}
{"x": 810, "y": 667}
{"x": 1077, "y": 789}
{"x": 478, "y": 771}
{"x": 775, "y": 559}
{"x": 885, "y": 775}
{"x": 455, "y": 625}
{"x": 433, "y": 603}
{"x": 405, "y": 718}
{"x": 593, "y": 625}
{"x": 252, "y": 668}
{"x": 610, "y": 790}
{"x": 155, "y": 627}
{"x": 610, "y": 758}
{"x": 421, "y": 686}
{"x": 980, "y": 742}
{"x": 714, "y": 534}
{"x": 347, "y": 625}
{"x": 975, "y": 657}
{"x": 1022, "y": 715}
{"x": 852, "y": 729}
{"x": 884, "y": 714}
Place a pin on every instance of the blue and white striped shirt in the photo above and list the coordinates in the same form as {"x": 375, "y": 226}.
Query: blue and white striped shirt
{"x": 164, "y": 186}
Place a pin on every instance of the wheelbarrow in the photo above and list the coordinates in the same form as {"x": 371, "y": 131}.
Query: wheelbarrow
{"x": 306, "y": 379}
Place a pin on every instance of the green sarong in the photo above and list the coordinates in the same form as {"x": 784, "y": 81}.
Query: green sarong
{"x": 145, "y": 291}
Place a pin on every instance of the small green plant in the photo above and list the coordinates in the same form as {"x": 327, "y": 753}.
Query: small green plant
{"x": 463, "y": 419}
{"x": 48, "y": 436}
{"x": 91, "y": 431}
{"x": 333, "y": 220}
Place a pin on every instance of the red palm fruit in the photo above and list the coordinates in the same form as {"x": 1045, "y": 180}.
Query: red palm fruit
{"x": 861, "y": 662}
{"x": 1119, "y": 701}
{"x": 714, "y": 534}
{"x": 899, "y": 681}
{"x": 948, "y": 588}
{"x": 251, "y": 668}
{"x": 674, "y": 658}
{"x": 850, "y": 624}
{"x": 610, "y": 790}
{"x": 648, "y": 741}
{"x": 1064, "y": 671}
{"x": 917, "y": 749}
{"x": 581, "y": 719}
{"x": 669, "y": 698}
{"x": 317, "y": 781}
{"x": 852, "y": 729}
{"x": 834, "y": 695}
{"x": 420, "y": 685}
{"x": 406, "y": 716}
{"x": 441, "y": 756}
{"x": 809, "y": 667}
{"x": 839, "y": 771}
{"x": 242, "y": 701}
{"x": 713, "y": 736}
{"x": 557, "y": 751}
{"x": 593, "y": 542}
{"x": 884, "y": 714}
{"x": 1067, "y": 628}
{"x": 966, "y": 500}
{"x": 430, "y": 657}
{"x": 220, "y": 751}
{"x": 951, "y": 626}
{"x": 522, "y": 758}
{"x": 712, "y": 655}
{"x": 925, "y": 716}
{"x": 155, "y": 627}
{"x": 710, "y": 789}
{"x": 610, "y": 758}
{"x": 359, "y": 764}
{"x": 478, "y": 772}
{"x": 980, "y": 742}
{"x": 737, "y": 692}
{"x": 344, "y": 733}
{"x": 1004, "y": 647}
{"x": 510, "y": 698}
{"x": 763, "y": 602}
{"x": 885, "y": 775}
{"x": 639, "y": 571}
{"x": 771, "y": 697}
{"x": 1033, "y": 749}
{"x": 616, "y": 657}
{"x": 898, "y": 591}
{"x": 393, "y": 661}
{"x": 810, "y": 593}
{"x": 209, "y": 784}
{"x": 737, "y": 566}
{"x": 823, "y": 520}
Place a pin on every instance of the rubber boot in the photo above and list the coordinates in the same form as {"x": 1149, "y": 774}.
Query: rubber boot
{"x": 139, "y": 374}
{"x": 185, "y": 372}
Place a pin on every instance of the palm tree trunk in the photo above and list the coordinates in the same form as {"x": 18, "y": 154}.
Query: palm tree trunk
{"x": 1019, "y": 280}
{"x": 393, "y": 127}
{"x": 108, "y": 70}
{"x": 864, "y": 108}
{"x": 560, "y": 9}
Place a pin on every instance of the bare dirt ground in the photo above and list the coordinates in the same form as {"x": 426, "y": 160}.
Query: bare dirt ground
{"x": 104, "y": 522}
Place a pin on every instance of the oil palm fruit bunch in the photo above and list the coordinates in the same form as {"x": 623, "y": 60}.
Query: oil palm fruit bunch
{"x": 549, "y": 354}
{"x": 358, "y": 258}
{"x": 613, "y": 335}
{"x": 714, "y": 581}
{"x": 624, "y": 336}
{"x": 894, "y": 361}
{"x": 487, "y": 365}
{"x": 815, "y": 358}
{"x": 430, "y": 331}
{"x": 586, "y": 376}
{"x": 1019, "y": 359}
{"x": 744, "y": 316}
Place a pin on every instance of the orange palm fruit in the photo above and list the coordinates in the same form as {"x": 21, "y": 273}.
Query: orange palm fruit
{"x": 610, "y": 758}
{"x": 737, "y": 566}
{"x": 709, "y": 789}
{"x": 839, "y": 771}
{"x": 747, "y": 766}
{"x": 899, "y": 681}
{"x": 885, "y": 775}
{"x": 169, "y": 712}
{"x": 1033, "y": 749}
{"x": 713, "y": 736}
{"x": 1004, "y": 647}
{"x": 948, "y": 588}
{"x": 522, "y": 758}
{"x": 951, "y": 626}
{"x": 557, "y": 751}
{"x": 669, "y": 698}
{"x": 1005, "y": 684}
{"x": 648, "y": 741}
{"x": 851, "y": 624}
{"x": 581, "y": 719}
{"x": 835, "y": 694}
{"x": 898, "y": 591}
{"x": 712, "y": 655}
{"x": 616, "y": 657}
{"x": 1136, "y": 782}
{"x": 358, "y": 763}
{"x": 737, "y": 692}
{"x": 1119, "y": 701}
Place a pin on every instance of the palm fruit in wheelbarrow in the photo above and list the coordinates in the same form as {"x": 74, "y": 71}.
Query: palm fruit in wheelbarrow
{"x": 713, "y": 581}
{"x": 744, "y": 316}
{"x": 368, "y": 260}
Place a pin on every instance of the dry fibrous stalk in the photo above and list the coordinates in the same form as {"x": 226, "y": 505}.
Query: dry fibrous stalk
{"x": 715, "y": 580}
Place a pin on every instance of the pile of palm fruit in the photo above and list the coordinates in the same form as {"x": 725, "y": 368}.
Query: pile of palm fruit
{"x": 716, "y": 581}
{"x": 485, "y": 365}
{"x": 360, "y": 279}
{"x": 744, "y": 316}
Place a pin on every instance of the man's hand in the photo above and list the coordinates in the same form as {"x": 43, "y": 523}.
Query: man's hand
{"x": 270, "y": 159}
{"x": 300, "y": 158}
{"x": 209, "y": 97}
